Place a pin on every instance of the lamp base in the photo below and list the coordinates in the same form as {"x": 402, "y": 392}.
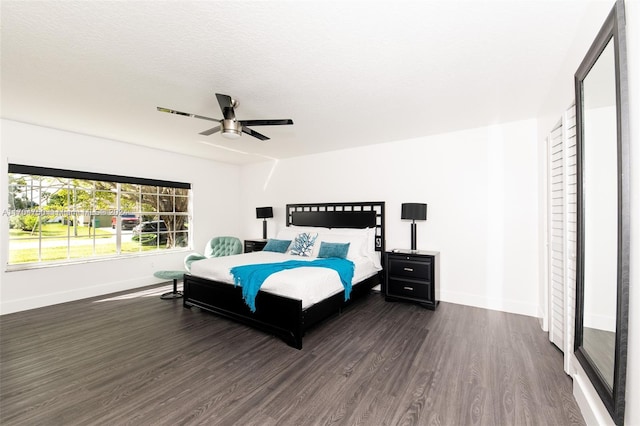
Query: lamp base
{"x": 264, "y": 229}
{"x": 413, "y": 237}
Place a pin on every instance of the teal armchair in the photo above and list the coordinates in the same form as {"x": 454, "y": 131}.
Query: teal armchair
{"x": 216, "y": 247}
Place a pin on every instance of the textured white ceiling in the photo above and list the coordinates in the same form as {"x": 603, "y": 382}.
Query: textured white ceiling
{"x": 348, "y": 73}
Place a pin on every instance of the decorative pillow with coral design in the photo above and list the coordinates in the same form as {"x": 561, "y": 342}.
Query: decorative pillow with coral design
{"x": 303, "y": 244}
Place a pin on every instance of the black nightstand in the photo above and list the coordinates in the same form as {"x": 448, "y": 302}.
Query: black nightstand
{"x": 254, "y": 245}
{"x": 413, "y": 277}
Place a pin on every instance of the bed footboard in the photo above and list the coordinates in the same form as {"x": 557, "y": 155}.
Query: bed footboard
{"x": 278, "y": 315}
{"x": 274, "y": 314}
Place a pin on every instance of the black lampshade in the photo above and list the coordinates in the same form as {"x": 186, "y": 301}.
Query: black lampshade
{"x": 414, "y": 211}
{"x": 264, "y": 212}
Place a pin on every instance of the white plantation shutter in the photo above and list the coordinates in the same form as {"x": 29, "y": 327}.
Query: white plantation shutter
{"x": 556, "y": 229}
{"x": 571, "y": 238}
{"x": 561, "y": 252}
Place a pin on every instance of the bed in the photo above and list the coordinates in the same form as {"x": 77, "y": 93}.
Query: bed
{"x": 277, "y": 312}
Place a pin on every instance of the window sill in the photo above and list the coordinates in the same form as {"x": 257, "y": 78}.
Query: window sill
{"x": 57, "y": 264}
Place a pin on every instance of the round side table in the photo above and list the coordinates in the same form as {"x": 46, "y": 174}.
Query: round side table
{"x": 171, "y": 275}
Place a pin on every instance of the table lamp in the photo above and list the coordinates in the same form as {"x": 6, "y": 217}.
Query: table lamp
{"x": 413, "y": 212}
{"x": 264, "y": 213}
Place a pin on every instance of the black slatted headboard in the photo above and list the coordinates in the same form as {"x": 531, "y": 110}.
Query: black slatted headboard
{"x": 340, "y": 215}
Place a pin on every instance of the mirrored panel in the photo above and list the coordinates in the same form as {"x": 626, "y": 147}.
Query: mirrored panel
{"x": 603, "y": 216}
{"x": 600, "y": 194}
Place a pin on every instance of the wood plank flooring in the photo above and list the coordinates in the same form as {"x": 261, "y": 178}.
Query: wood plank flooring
{"x": 133, "y": 359}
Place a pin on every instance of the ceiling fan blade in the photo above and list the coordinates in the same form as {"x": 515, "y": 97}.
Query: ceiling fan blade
{"x": 265, "y": 122}
{"x": 186, "y": 114}
{"x": 254, "y": 133}
{"x": 226, "y": 105}
{"x": 210, "y": 131}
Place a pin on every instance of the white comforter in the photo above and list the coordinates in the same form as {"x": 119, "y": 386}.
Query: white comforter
{"x": 310, "y": 285}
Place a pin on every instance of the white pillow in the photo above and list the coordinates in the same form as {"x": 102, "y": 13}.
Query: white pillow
{"x": 369, "y": 246}
{"x": 292, "y": 231}
{"x": 371, "y": 252}
{"x": 301, "y": 229}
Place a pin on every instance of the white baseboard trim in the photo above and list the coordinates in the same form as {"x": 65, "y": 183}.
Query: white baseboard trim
{"x": 27, "y": 303}
{"x": 544, "y": 320}
{"x": 591, "y": 407}
{"x": 494, "y": 304}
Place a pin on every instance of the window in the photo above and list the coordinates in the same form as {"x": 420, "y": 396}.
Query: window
{"x": 58, "y": 216}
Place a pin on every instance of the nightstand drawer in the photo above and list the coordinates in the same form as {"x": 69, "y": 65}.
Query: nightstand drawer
{"x": 410, "y": 289}
{"x": 420, "y": 270}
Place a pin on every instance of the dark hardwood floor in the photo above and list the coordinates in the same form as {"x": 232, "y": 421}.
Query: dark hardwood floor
{"x": 132, "y": 358}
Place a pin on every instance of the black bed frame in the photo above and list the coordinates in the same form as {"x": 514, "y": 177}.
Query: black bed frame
{"x": 280, "y": 315}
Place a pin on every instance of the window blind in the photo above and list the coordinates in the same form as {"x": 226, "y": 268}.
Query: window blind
{"x": 76, "y": 174}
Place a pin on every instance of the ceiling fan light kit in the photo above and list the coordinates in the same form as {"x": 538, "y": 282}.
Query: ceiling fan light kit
{"x": 230, "y": 127}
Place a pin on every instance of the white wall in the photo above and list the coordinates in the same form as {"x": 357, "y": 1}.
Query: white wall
{"x": 481, "y": 189}
{"x": 215, "y": 190}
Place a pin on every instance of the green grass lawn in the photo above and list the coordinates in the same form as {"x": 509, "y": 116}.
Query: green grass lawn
{"x": 52, "y": 230}
{"x": 76, "y": 252}
{"x": 81, "y": 245}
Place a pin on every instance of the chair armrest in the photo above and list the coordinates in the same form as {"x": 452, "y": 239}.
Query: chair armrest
{"x": 193, "y": 257}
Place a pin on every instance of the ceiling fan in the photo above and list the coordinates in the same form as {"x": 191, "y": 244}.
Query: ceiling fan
{"x": 231, "y": 127}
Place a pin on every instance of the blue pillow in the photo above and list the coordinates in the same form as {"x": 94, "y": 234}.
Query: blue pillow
{"x": 279, "y": 246}
{"x": 333, "y": 250}
{"x": 303, "y": 244}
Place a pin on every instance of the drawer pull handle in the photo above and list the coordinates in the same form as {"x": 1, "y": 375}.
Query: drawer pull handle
{"x": 408, "y": 269}
{"x": 408, "y": 288}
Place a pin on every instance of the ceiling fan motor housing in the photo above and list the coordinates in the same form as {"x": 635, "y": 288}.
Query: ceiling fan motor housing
{"x": 231, "y": 129}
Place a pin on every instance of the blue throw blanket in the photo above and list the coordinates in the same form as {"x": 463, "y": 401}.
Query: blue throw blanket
{"x": 251, "y": 277}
